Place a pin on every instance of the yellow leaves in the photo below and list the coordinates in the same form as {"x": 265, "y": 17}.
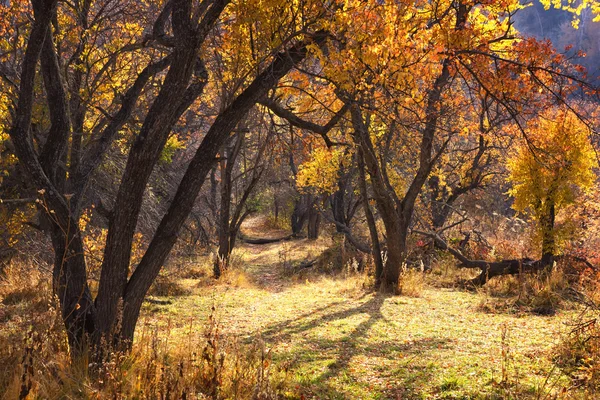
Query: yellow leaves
{"x": 575, "y": 7}
{"x": 551, "y": 177}
{"x": 322, "y": 170}
{"x": 173, "y": 144}
{"x": 561, "y": 163}
{"x": 13, "y": 222}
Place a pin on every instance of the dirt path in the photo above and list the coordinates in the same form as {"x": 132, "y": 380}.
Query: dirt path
{"x": 341, "y": 342}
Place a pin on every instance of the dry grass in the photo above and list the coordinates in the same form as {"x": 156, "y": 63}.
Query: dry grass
{"x": 313, "y": 335}
{"x": 578, "y": 354}
{"x": 412, "y": 282}
{"x": 204, "y": 363}
{"x": 544, "y": 293}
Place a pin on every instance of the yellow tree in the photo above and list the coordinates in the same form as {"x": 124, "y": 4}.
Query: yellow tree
{"x": 550, "y": 171}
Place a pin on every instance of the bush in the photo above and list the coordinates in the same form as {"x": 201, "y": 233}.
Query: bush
{"x": 411, "y": 282}
{"x": 166, "y": 285}
{"x": 578, "y": 355}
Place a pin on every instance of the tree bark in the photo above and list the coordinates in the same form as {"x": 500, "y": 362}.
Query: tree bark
{"x": 300, "y": 213}
{"x": 337, "y": 206}
{"x": 548, "y": 239}
{"x": 194, "y": 177}
{"x": 375, "y": 245}
{"x": 397, "y": 213}
{"x": 314, "y": 222}
{"x": 228, "y": 160}
{"x": 144, "y": 154}
{"x": 69, "y": 273}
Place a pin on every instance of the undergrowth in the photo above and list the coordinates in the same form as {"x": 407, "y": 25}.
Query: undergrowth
{"x": 318, "y": 333}
{"x": 205, "y": 363}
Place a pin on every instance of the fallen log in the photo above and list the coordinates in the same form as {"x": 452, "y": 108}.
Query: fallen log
{"x": 489, "y": 269}
{"x": 304, "y": 265}
{"x": 266, "y": 240}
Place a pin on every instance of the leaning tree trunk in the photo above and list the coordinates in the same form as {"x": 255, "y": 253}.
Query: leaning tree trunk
{"x": 112, "y": 317}
{"x": 191, "y": 183}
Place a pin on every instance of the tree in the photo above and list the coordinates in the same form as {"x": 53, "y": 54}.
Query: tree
{"x": 172, "y": 56}
{"x": 249, "y": 171}
{"x": 405, "y": 122}
{"x": 550, "y": 170}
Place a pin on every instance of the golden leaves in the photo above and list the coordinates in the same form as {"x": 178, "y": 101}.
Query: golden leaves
{"x": 321, "y": 171}
{"x": 556, "y": 162}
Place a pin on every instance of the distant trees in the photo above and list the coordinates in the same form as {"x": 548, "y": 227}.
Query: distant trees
{"x": 477, "y": 84}
{"x": 242, "y": 164}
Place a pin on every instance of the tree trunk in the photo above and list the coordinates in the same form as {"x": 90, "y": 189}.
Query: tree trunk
{"x": 440, "y": 209}
{"x": 71, "y": 287}
{"x": 300, "y": 213}
{"x": 548, "y": 240}
{"x": 144, "y": 154}
{"x": 220, "y": 263}
{"x": 337, "y": 205}
{"x": 314, "y": 222}
{"x": 225, "y": 228}
{"x": 187, "y": 192}
{"x": 112, "y": 317}
{"x": 375, "y": 245}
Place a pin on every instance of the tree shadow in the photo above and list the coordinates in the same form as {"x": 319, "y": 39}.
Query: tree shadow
{"x": 408, "y": 373}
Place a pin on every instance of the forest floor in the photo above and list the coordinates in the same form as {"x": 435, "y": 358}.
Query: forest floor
{"x": 336, "y": 340}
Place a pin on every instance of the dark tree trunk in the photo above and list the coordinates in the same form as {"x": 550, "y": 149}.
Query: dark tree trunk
{"x": 194, "y": 177}
{"x": 314, "y": 222}
{"x": 212, "y": 199}
{"x": 220, "y": 263}
{"x": 375, "y": 245}
{"x": 387, "y": 203}
{"x": 119, "y": 300}
{"x": 144, "y": 154}
{"x": 71, "y": 287}
{"x": 397, "y": 212}
{"x": 300, "y": 213}
{"x": 489, "y": 269}
{"x": 228, "y": 160}
{"x": 69, "y": 273}
{"x": 440, "y": 207}
{"x": 230, "y": 222}
{"x": 548, "y": 240}
{"x": 338, "y": 206}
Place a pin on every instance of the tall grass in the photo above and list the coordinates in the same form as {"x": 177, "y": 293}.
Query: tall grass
{"x": 202, "y": 364}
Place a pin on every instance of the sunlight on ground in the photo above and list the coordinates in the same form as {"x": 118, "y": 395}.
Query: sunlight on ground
{"x": 343, "y": 342}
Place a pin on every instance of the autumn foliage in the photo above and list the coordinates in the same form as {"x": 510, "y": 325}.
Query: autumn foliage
{"x": 139, "y": 135}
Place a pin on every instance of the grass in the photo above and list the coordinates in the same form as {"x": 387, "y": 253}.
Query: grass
{"x": 341, "y": 341}
{"x": 325, "y": 335}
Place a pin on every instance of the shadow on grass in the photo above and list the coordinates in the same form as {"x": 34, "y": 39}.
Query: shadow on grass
{"x": 325, "y": 366}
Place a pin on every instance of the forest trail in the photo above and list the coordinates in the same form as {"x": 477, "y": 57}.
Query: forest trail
{"x": 342, "y": 342}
